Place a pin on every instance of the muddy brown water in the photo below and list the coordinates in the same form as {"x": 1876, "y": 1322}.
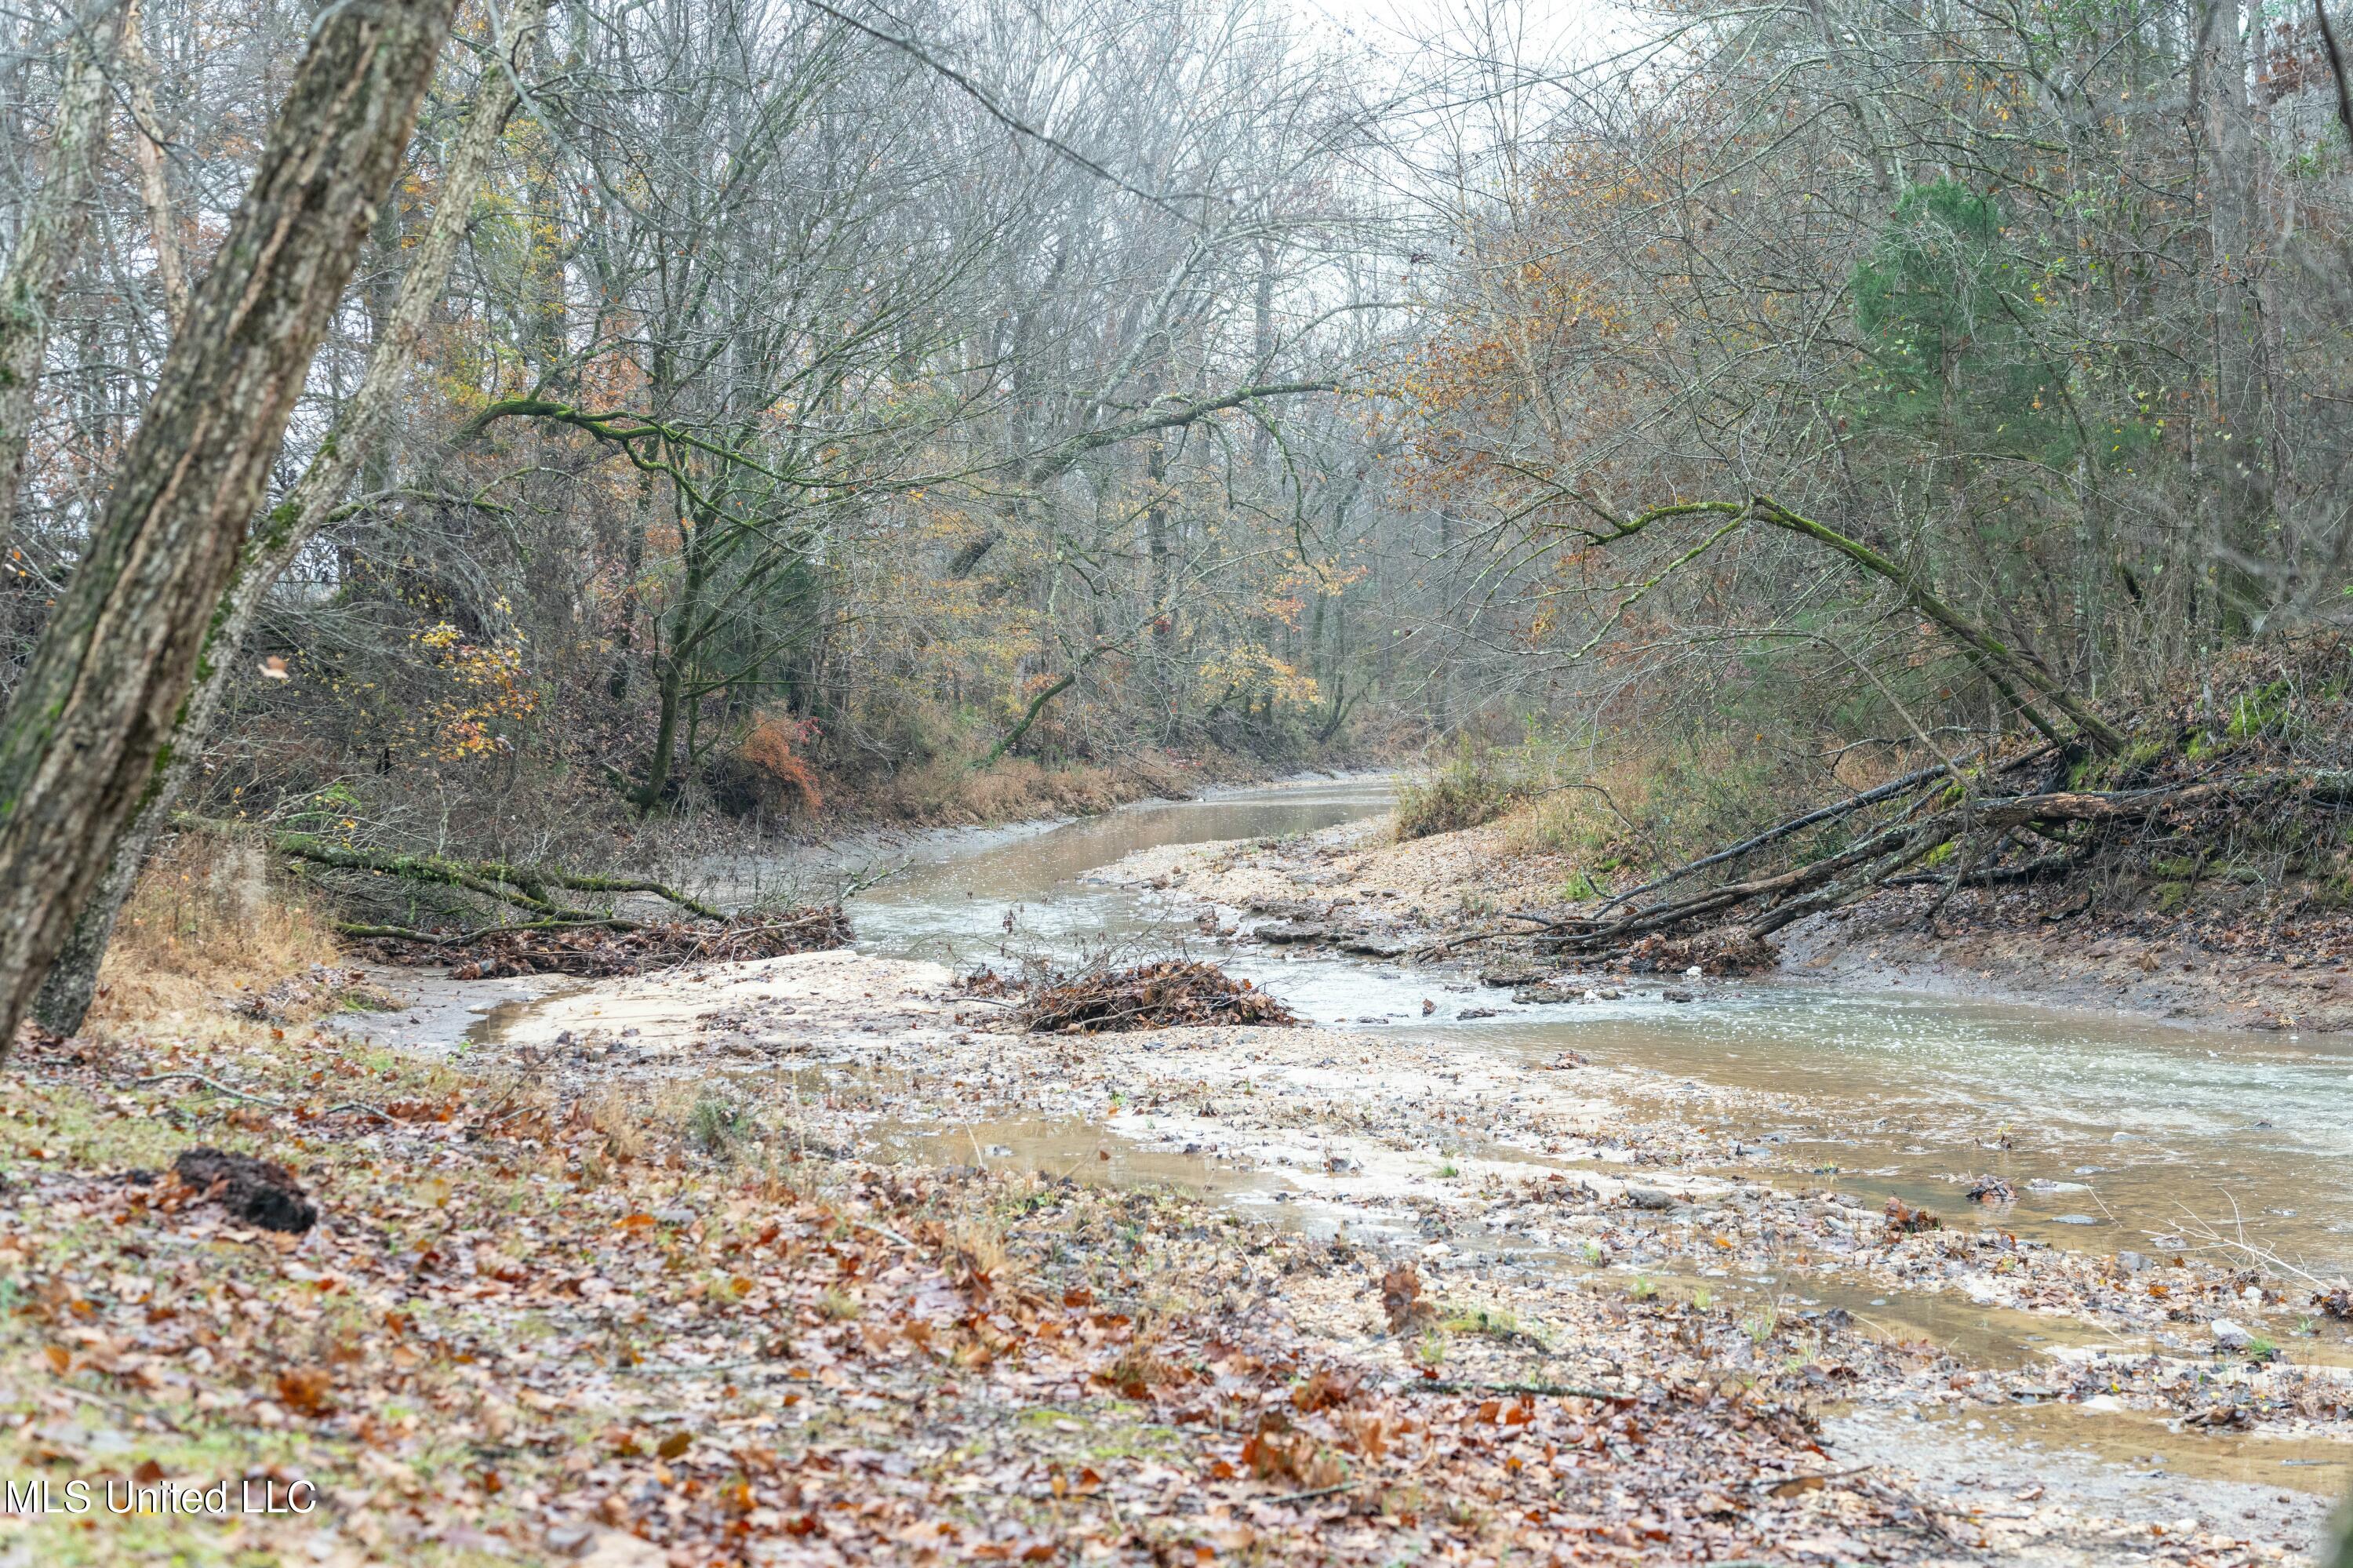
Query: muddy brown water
{"x": 2115, "y": 1133}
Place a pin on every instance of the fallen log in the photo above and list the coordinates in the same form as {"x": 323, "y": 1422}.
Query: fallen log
{"x": 1872, "y": 863}
{"x": 518, "y": 887}
{"x": 1871, "y": 797}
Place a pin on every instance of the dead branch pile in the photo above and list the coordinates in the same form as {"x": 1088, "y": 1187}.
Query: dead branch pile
{"x": 615, "y": 948}
{"x": 1725, "y": 952}
{"x": 2247, "y": 779}
{"x": 1165, "y": 995}
{"x": 1994, "y": 839}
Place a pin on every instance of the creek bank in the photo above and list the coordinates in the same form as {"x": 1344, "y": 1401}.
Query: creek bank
{"x": 1542, "y": 1213}
{"x": 2036, "y": 946}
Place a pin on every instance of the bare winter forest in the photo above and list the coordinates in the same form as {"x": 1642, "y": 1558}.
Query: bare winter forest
{"x": 515, "y": 489}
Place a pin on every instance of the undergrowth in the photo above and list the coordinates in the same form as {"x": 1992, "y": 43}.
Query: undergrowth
{"x": 209, "y": 919}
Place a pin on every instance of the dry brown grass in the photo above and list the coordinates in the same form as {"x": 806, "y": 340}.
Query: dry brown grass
{"x": 208, "y": 920}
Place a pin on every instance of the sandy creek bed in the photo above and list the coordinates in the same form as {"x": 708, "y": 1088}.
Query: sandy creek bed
{"x": 1741, "y": 1146}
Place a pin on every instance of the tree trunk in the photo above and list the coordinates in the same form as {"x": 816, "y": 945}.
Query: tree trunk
{"x": 154, "y": 190}
{"x": 65, "y": 994}
{"x": 81, "y": 746}
{"x": 46, "y": 245}
{"x": 2241, "y": 495}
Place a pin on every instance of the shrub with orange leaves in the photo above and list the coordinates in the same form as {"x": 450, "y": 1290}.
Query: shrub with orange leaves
{"x": 771, "y": 749}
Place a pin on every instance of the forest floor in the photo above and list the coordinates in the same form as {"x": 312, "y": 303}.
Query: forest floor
{"x": 811, "y": 1260}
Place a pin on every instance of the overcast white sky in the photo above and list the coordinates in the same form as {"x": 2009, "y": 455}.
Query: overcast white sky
{"x": 1392, "y": 26}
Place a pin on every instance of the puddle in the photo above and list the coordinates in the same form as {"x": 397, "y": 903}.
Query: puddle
{"x": 2264, "y": 1488}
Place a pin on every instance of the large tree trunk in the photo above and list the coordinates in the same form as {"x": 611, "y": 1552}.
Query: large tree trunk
{"x": 51, "y": 234}
{"x": 65, "y": 995}
{"x": 81, "y": 747}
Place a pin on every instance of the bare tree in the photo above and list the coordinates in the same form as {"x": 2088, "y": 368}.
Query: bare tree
{"x": 81, "y": 739}
{"x": 291, "y": 526}
{"x": 49, "y": 240}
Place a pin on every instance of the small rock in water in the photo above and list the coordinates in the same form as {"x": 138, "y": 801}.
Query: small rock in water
{"x": 1675, "y": 993}
{"x": 1693, "y": 973}
{"x": 2074, "y": 1220}
{"x": 2229, "y": 1335}
{"x": 2124, "y": 1138}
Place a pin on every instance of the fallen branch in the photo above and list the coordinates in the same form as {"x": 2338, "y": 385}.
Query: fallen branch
{"x": 1872, "y": 862}
{"x": 213, "y": 1083}
{"x": 1541, "y": 1390}
{"x": 1871, "y": 797}
{"x": 518, "y": 886}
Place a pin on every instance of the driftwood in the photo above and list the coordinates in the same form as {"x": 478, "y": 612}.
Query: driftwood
{"x": 610, "y": 948}
{"x": 1767, "y": 902}
{"x": 1831, "y": 812}
{"x": 1167, "y": 994}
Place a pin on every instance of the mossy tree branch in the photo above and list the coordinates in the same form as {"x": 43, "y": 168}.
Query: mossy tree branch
{"x": 2005, "y": 667}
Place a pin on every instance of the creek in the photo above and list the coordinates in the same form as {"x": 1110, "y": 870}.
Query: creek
{"x": 2114, "y": 1132}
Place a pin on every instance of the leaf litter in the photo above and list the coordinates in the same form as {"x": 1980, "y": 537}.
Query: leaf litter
{"x": 548, "y": 1314}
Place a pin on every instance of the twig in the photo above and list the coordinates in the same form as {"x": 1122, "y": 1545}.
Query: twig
{"x": 360, "y": 1106}
{"x": 124, "y": 1408}
{"x": 1550, "y": 1390}
{"x": 214, "y": 1083}
{"x": 1770, "y": 1483}
{"x": 686, "y": 1372}
{"x": 1310, "y": 1496}
{"x": 885, "y": 1230}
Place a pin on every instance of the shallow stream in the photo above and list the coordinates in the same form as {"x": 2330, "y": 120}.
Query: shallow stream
{"x": 2114, "y": 1133}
